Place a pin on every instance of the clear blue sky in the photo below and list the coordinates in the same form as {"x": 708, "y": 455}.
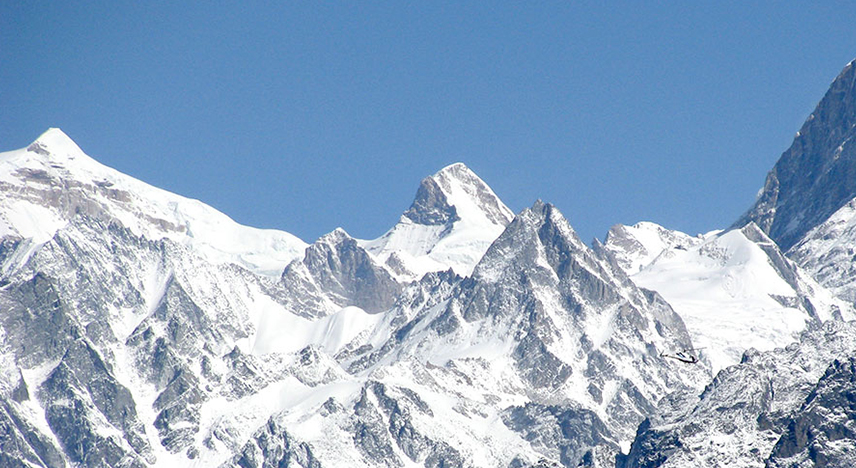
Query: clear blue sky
{"x": 305, "y": 116}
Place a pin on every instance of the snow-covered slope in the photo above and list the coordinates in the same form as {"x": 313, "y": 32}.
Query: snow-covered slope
{"x": 734, "y": 289}
{"x": 828, "y": 253}
{"x": 45, "y": 185}
{"x": 451, "y": 223}
{"x": 635, "y": 247}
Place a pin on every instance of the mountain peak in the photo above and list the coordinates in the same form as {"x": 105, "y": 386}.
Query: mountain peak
{"x": 817, "y": 175}
{"x": 52, "y": 182}
{"x": 455, "y": 170}
{"x": 452, "y": 221}
{"x": 55, "y": 142}
{"x": 536, "y": 231}
{"x": 335, "y": 236}
{"x": 453, "y": 192}
{"x": 459, "y": 173}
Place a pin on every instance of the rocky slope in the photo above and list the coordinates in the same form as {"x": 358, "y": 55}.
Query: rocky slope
{"x": 827, "y": 252}
{"x": 815, "y": 176}
{"x": 786, "y": 407}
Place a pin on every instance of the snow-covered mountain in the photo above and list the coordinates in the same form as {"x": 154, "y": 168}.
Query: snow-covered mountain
{"x": 451, "y": 223}
{"x": 815, "y": 176}
{"x": 46, "y": 185}
{"x": 134, "y": 336}
{"x": 139, "y": 328}
{"x": 734, "y": 289}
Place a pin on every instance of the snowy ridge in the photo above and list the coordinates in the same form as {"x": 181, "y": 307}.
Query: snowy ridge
{"x": 52, "y": 180}
{"x": 451, "y": 223}
{"x": 635, "y": 247}
{"x": 734, "y": 290}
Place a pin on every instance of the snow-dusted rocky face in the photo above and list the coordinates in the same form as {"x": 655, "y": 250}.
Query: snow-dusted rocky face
{"x": 827, "y": 252}
{"x": 815, "y": 176}
{"x": 785, "y": 407}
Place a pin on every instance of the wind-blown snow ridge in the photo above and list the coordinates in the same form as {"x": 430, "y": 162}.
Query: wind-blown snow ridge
{"x": 451, "y": 223}
{"x": 52, "y": 180}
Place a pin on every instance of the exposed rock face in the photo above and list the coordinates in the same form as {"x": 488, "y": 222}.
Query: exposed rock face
{"x": 817, "y": 175}
{"x": 823, "y": 431}
{"x": 759, "y": 407}
{"x": 272, "y": 446}
{"x": 431, "y": 207}
{"x": 828, "y": 251}
{"x": 565, "y": 432}
{"x": 22, "y": 444}
{"x": 336, "y": 272}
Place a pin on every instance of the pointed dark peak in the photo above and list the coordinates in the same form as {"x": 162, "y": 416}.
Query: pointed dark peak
{"x": 553, "y": 226}
{"x": 333, "y": 248}
{"x": 336, "y": 272}
{"x": 817, "y": 175}
{"x": 431, "y": 207}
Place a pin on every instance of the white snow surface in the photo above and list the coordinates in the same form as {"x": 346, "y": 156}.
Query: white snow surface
{"x": 638, "y": 245}
{"x": 724, "y": 286}
{"x": 280, "y": 331}
{"x": 46, "y": 184}
{"x": 421, "y": 248}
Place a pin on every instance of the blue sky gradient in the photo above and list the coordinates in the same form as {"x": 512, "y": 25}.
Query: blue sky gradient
{"x": 305, "y": 116}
